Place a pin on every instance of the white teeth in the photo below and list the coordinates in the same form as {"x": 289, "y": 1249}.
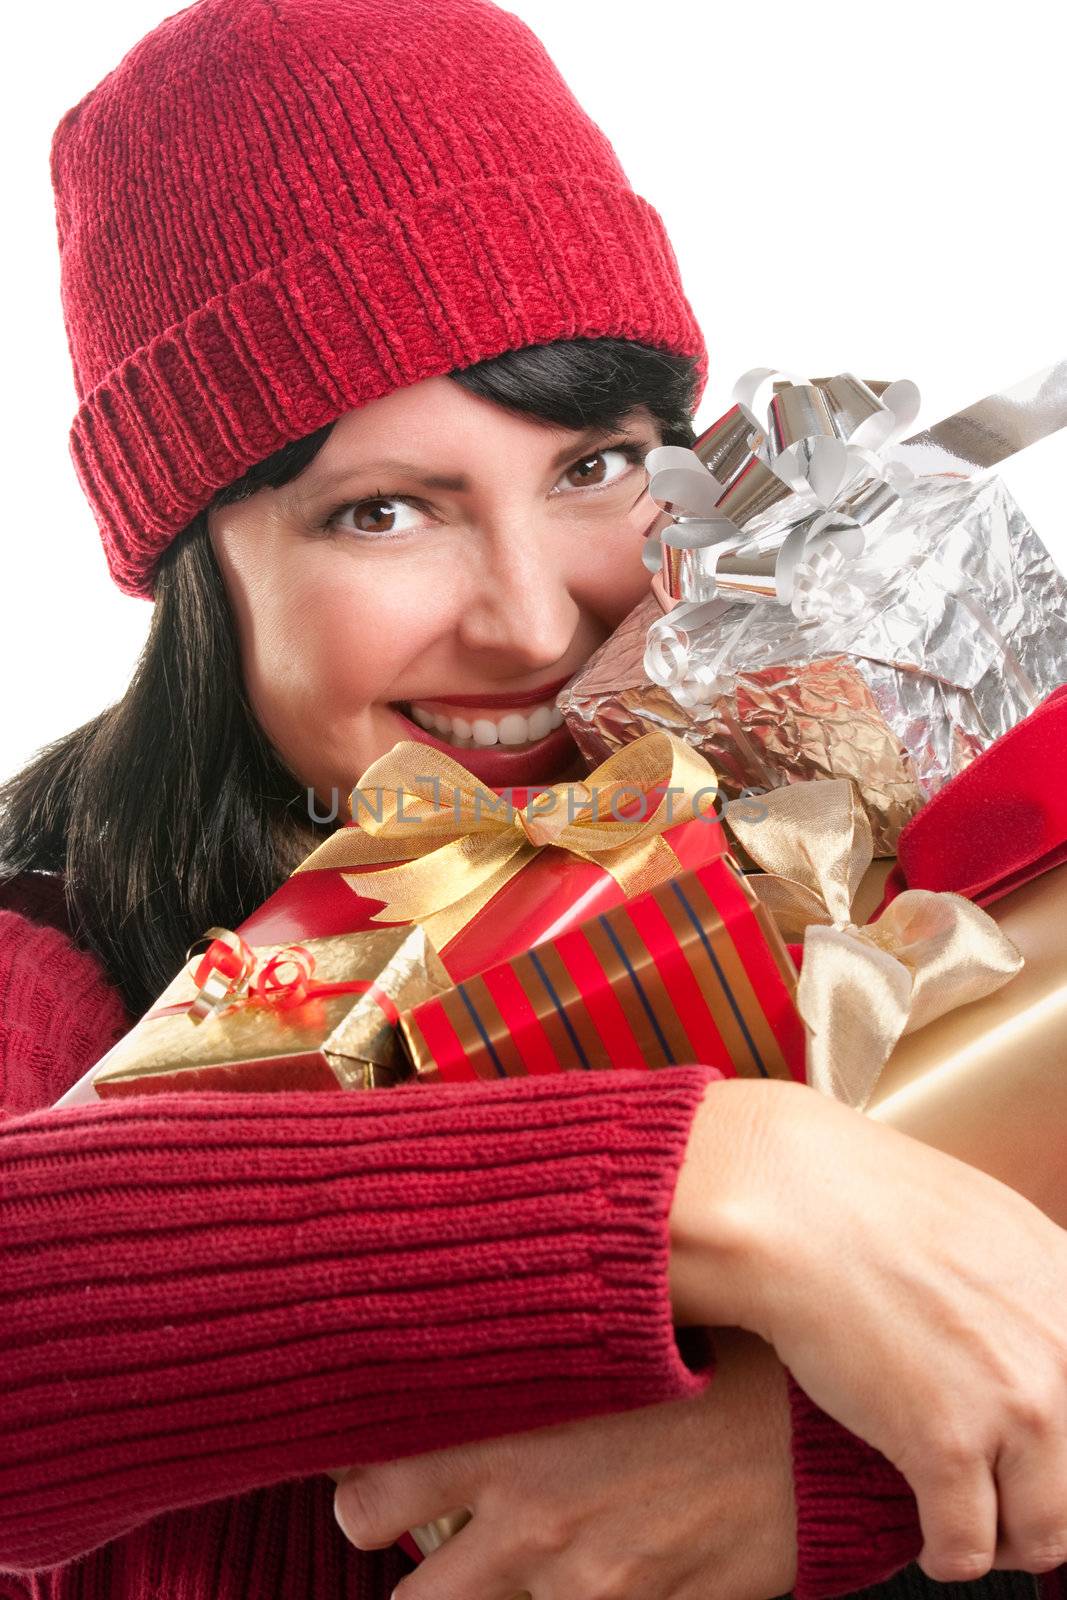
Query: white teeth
{"x": 510, "y": 728}
{"x": 539, "y": 722}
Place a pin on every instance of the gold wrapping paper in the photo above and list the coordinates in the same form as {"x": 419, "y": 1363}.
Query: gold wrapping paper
{"x": 341, "y": 1041}
{"x": 987, "y": 1083}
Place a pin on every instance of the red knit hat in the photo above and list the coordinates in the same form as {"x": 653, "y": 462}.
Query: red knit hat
{"x": 274, "y": 211}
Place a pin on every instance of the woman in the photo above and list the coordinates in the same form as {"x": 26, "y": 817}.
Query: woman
{"x": 318, "y": 239}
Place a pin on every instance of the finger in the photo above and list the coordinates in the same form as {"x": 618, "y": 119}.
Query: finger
{"x": 466, "y": 1568}
{"x": 1033, "y": 1506}
{"x": 375, "y": 1505}
{"x": 957, "y": 1497}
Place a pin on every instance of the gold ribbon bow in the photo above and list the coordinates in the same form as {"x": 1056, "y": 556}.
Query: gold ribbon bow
{"x": 861, "y": 989}
{"x": 458, "y": 842}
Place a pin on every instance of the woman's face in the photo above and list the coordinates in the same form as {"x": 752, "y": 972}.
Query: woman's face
{"x": 437, "y": 572}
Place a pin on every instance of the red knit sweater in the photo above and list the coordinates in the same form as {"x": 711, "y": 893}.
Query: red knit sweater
{"x": 209, "y": 1300}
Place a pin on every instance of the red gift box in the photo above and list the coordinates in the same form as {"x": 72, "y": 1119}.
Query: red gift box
{"x": 553, "y": 891}
{"x": 692, "y": 970}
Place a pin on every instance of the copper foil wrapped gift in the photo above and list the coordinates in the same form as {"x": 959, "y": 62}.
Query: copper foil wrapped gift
{"x": 833, "y": 600}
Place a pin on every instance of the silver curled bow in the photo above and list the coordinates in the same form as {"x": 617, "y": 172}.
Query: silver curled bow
{"x": 783, "y": 493}
{"x": 797, "y": 503}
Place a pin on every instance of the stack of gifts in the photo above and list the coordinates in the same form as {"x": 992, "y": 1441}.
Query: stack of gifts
{"x": 845, "y": 677}
{"x": 857, "y": 625}
{"x": 449, "y": 936}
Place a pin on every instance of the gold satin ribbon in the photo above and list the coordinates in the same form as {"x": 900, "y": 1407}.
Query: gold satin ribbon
{"x": 457, "y": 848}
{"x": 861, "y": 989}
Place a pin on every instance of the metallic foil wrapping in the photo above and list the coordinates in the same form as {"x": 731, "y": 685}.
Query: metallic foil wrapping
{"x": 829, "y": 613}
{"x": 898, "y": 697}
{"x": 863, "y": 986}
{"x": 328, "y": 1042}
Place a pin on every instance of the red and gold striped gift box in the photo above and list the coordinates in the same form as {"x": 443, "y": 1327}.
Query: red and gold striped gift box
{"x": 693, "y": 970}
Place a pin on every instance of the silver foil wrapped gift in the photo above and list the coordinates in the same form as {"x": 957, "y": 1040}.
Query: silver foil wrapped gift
{"x": 832, "y": 599}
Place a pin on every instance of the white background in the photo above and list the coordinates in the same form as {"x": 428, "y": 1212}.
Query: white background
{"x": 847, "y": 186}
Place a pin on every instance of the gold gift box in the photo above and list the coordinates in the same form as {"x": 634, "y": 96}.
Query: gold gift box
{"x": 987, "y": 1083}
{"x": 328, "y": 1042}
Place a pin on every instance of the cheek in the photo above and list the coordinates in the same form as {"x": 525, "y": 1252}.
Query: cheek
{"x": 338, "y": 636}
{"x": 617, "y": 579}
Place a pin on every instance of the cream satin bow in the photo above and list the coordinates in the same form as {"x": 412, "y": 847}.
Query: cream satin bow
{"x": 862, "y": 988}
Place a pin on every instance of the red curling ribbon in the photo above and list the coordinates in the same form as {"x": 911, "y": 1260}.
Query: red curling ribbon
{"x": 286, "y": 992}
{"x": 224, "y": 980}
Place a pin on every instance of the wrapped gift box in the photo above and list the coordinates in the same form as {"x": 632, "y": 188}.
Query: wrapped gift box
{"x": 987, "y": 1083}
{"x": 693, "y": 970}
{"x": 554, "y": 890}
{"x": 336, "y": 1032}
{"x": 830, "y": 614}
{"x": 376, "y": 966}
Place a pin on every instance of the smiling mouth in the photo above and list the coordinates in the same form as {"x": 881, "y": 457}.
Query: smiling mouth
{"x": 487, "y": 728}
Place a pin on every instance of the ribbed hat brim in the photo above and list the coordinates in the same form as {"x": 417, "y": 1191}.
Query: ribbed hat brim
{"x": 349, "y": 319}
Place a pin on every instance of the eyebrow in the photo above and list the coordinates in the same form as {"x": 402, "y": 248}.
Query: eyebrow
{"x": 456, "y": 485}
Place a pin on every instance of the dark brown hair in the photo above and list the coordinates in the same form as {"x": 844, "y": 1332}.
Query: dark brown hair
{"x": 170, "y": 812}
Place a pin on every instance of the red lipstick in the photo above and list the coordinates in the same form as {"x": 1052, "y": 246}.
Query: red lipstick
{"x": 529, "y": 697}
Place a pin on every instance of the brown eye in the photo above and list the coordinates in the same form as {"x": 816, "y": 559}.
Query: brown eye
{"x": 370, "y": 517}
{"x": 597, "y": 471}
{"x": 583, "y": 476}
{"x": 378, "y": 517}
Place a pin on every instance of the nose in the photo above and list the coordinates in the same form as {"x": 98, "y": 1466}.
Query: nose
{"x": 519, "y": 604}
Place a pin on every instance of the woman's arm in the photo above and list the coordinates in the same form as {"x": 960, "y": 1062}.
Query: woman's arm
{"x": 857, "y": 1519}
{"x": 921, "y": 1296}
{"x": 917, "y": 1300}
{"x": 205, "y": 1294}
{"x": 72, "y": 1016}
{"x": 58, "y": 1015}
{"x": 202, "y": 1295}
{"x": 691, "y": 1500}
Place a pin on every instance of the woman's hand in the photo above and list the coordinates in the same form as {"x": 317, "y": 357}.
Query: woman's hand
{"x": 687, "y": 1501}
{"x": 919, "y": 1302}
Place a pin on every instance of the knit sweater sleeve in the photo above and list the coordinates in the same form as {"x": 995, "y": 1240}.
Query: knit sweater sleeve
{"x": 207, "y": 1294}
{"x": 857, "y": 1519}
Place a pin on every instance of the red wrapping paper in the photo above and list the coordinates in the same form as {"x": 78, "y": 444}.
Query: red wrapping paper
{"x": 553, "y": 892}
{"x": 693, "y": 970}
{"x": 1001, "y": 822}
